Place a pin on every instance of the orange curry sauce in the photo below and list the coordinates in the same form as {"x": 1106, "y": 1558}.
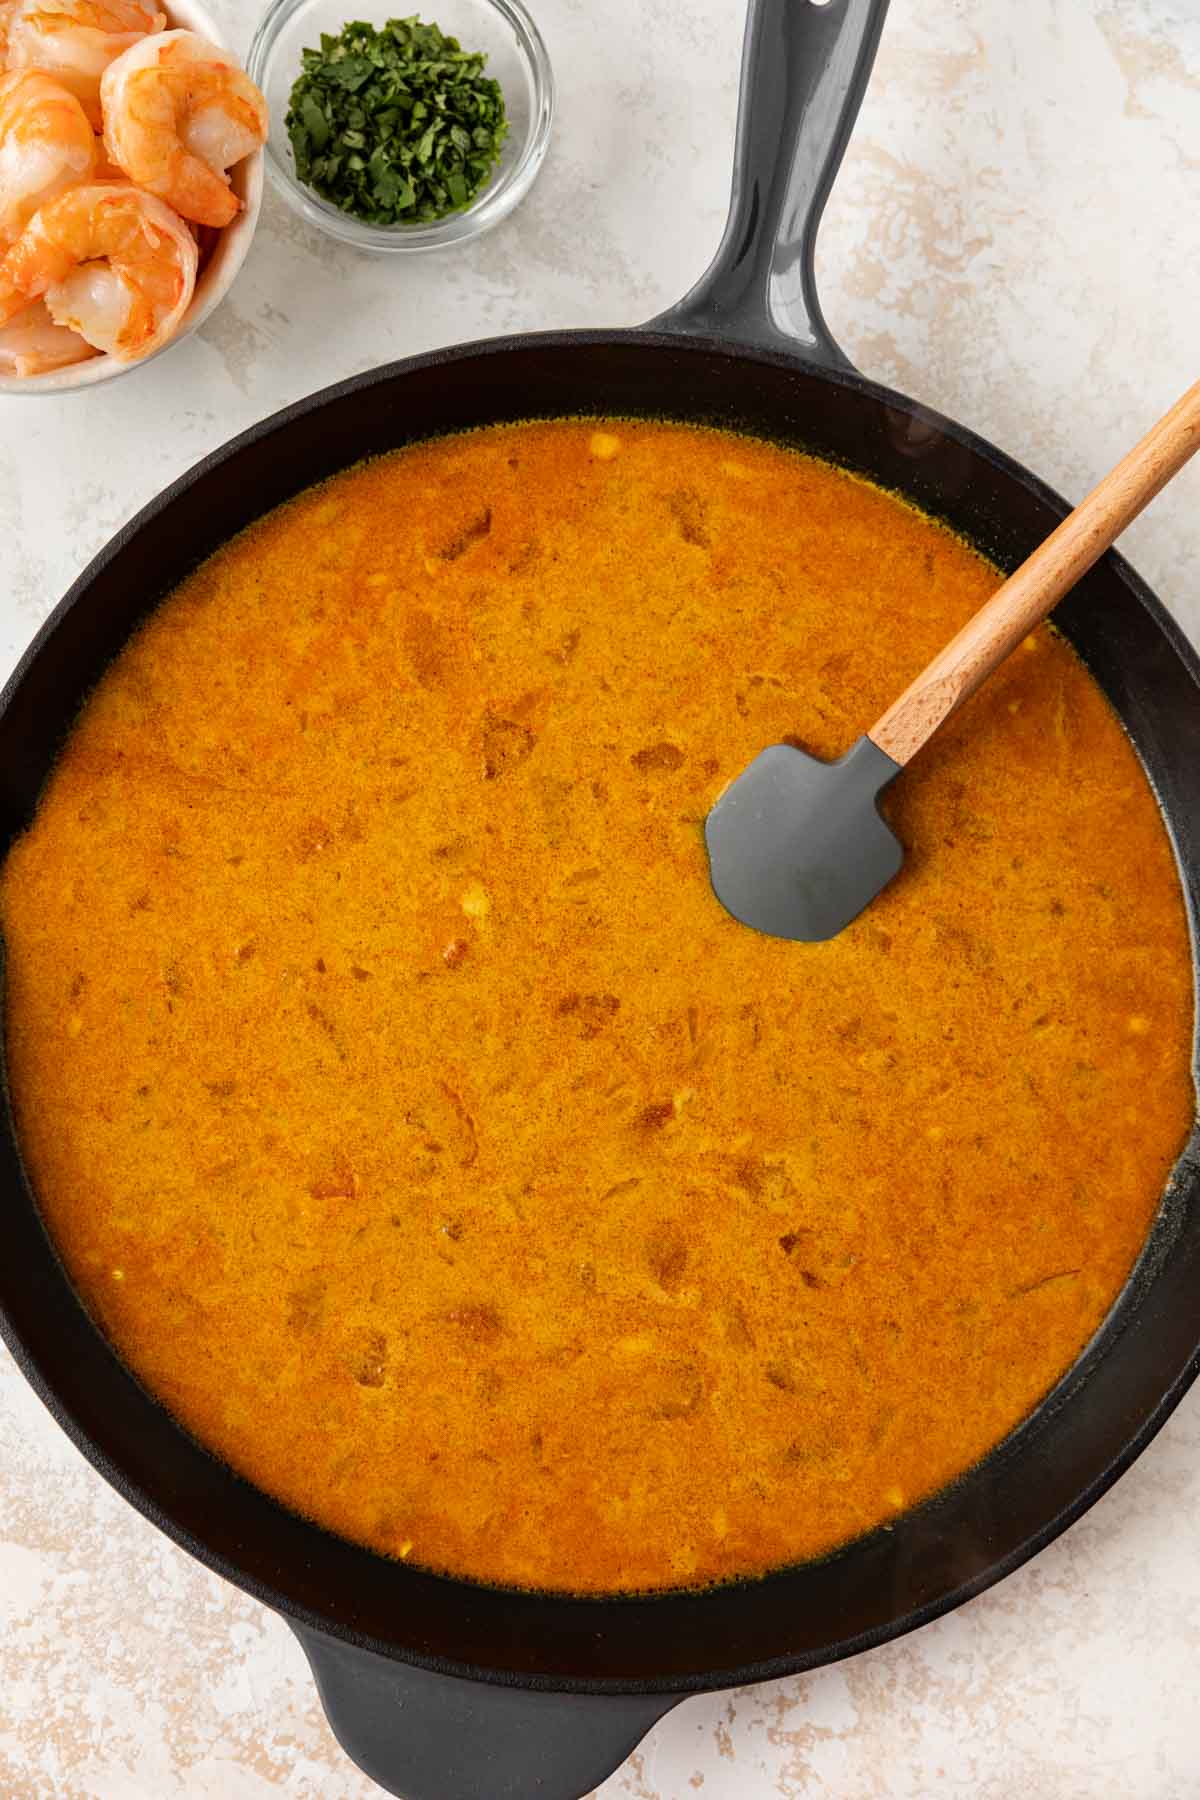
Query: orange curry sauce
{"x": 424, "y": 1133}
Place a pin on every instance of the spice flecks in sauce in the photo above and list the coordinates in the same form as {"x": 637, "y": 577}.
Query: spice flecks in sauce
{"x": 478, "y": 1186}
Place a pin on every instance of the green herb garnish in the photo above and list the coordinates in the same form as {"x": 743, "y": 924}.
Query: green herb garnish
{"x": 398, "y": 126}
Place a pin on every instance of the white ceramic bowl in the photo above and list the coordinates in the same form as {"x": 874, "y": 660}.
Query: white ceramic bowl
{"x": 215, "y": 279}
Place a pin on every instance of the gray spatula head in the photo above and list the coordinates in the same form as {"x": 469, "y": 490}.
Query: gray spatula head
{"x": 796, "y": 847}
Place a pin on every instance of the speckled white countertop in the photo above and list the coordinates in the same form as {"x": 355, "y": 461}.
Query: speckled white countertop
{"x": 1016, "y": 239}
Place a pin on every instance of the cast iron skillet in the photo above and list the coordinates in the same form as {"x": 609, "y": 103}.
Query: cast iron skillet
{"x": 446, "y": 1691}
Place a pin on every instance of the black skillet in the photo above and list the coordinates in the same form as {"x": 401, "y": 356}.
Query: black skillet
{"x": 439, "y": 1689}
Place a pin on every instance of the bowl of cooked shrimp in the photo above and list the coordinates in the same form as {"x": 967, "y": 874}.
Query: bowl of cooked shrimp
{"x": 130, "y": 184}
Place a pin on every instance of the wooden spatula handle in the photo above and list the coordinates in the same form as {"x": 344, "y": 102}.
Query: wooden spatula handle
{"x": 1040, "y": 582}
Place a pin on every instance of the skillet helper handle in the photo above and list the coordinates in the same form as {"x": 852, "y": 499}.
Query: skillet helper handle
{"x": 805, "y": 66}
{"x": 1041, "y": 581}
{"x": 423, "y": 1736}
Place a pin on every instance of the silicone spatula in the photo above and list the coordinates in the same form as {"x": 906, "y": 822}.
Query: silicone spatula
{"x": 797, "y": 847}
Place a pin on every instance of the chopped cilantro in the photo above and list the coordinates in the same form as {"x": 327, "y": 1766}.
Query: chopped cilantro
{"x": 398, "y": 126}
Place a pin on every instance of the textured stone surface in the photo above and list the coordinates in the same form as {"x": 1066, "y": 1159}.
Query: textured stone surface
{"x": 1015, "y": 238}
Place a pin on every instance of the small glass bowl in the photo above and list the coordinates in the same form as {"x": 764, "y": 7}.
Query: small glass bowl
{"x": 516, "y": 58}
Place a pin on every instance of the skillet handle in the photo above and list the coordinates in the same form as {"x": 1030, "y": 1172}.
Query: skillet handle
{"x": 435, "y": 1737}
{"x": 805, "y": 66}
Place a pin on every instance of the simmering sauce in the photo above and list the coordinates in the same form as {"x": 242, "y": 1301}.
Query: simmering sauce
{"x": 426, "y": 1136}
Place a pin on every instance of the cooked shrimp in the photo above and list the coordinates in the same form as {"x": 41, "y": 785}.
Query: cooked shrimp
{"x": 31, "y": 343}
{"x": 178, "y": 112}
{"x": 8, "y": 12}
{"x": 75, "y": 40}
{"x": 112, "y": 263}
{"x": 46, "y": 145}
